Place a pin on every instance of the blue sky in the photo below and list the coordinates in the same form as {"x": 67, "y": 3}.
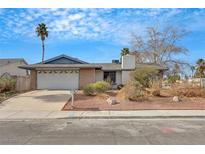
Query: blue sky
{"x": 93, "y": 35}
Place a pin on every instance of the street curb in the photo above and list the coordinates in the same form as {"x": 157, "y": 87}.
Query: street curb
{"x": 133, "y": 117}
{"x": 108, "y": 118}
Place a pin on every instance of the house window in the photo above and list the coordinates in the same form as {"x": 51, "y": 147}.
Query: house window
{"x": 110, "y": 76}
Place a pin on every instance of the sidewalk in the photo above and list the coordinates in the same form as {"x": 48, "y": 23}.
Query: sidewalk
{"x": 21, "y": 115}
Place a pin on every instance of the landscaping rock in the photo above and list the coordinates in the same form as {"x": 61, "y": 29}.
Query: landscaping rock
{"x": 111, "y": 101}
{"x": 176, "y": 99}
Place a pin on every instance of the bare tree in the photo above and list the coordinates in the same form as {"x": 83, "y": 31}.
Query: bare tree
{"x": 159, "y": 46}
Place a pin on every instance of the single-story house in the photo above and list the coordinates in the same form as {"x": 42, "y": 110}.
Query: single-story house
{"x": 10, "y": 67}
{"x": 65, "y": 72}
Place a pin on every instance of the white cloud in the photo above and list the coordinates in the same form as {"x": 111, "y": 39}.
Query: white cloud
{"x": 96, "y": 24}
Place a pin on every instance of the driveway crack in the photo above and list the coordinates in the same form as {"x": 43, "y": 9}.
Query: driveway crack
{"x": 49, "y": 113}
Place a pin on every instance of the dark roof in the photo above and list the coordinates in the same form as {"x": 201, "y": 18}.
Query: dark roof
{"x": 37, "y": 66}
{"x": 11, "y": 60}
{"x": 64, "y": 59}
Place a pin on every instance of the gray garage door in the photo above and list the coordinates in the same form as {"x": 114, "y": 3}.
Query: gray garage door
{"x": 57, "y": 80}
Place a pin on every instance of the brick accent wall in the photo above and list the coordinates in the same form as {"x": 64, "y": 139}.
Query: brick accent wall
{"x": 87, "y": 76}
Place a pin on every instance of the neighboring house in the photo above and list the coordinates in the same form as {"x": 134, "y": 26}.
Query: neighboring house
{"x": 10, "y": 67}
{"x": 65, "y": 72}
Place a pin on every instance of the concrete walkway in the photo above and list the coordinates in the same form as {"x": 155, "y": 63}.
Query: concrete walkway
{"x": 19, "y": 115}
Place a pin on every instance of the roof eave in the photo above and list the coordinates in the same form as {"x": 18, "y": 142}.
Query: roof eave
{"x": 53, "y": 67}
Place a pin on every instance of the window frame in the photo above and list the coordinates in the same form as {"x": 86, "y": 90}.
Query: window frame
{"x": 111, "y": 74}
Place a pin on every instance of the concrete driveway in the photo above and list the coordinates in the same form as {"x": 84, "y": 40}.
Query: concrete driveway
{"x": 38, "y": 100}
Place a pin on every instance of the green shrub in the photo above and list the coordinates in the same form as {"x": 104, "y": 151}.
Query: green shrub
{"x": 101, "y": 86}
{"x": 143, "y": 78}
{"x": 89, "y": 89}
{"x": 98, "y": 87}
{"x": 7, "y": 84}
{"x": 173, "y": 78}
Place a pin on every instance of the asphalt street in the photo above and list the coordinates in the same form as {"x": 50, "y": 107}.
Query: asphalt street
{"x": 103, "y": 131}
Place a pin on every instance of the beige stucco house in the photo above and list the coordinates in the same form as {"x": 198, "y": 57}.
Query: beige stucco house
{"x": 65, "y": 72}
{"x": 11, "y": 67}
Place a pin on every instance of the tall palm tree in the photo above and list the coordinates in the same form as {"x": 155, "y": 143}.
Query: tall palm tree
{"x": 200, "y": 69}
{"x": 41, "y": 31}
{"x": 124, "y": 51}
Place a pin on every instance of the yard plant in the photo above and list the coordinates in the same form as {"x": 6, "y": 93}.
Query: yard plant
{"x": 173, "y": 78}
{"x": 187, "y": 90}
{"x": 98, "y": 87}
{"x": 137, "y": 88}
{"x": 200, "y": 69}
{"x": 144, "y": 78}
{"x": 6, "y": 95}
{"x": 7, "y": 88}
{"x": 7, "y": 84}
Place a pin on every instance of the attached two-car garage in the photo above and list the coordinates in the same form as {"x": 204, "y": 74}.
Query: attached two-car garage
{"x": 58, "y": 79}
{"x": 61, "y": 72}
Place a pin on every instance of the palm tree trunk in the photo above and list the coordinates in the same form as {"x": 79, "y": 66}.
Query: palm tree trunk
{"x": 43, "y": 51}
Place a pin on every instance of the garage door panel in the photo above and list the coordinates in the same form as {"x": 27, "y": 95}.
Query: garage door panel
{"x": 57, "y": 80}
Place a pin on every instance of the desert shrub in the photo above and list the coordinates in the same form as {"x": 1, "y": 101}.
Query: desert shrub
{"x": 131, "y": 92}
{"x": 7, "y": 84}
{"x": 155, "y": 88}
{"x": 101, "y": 86}
{"x": 173, "y": 78}
{"x": 98, "y": 87}
{"x": 187, "y": 90}
{"x": 89, "y": 89}
{"x": 143, "y": 78}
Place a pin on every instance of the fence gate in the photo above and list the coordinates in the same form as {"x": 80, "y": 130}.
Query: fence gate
{"x": 23, "y": 83}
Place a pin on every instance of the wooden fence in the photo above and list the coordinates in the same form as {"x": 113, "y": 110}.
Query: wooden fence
{"x": 23, "y": 83}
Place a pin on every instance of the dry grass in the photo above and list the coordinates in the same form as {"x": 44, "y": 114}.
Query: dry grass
{"x": 187, "y": 90}
{"x": 155, "y": 89}
{"x": 130, "y": 92}
{"x": 7, "y": 84}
